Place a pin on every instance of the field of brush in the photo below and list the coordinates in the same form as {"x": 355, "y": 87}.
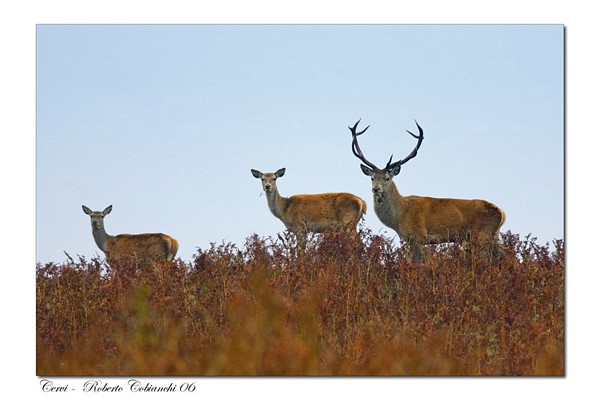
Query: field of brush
{"x": 348, "y": 306}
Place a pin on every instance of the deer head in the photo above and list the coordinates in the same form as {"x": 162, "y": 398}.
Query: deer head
{"x": 268, "y": 179}
{"x": 382, "y": 177}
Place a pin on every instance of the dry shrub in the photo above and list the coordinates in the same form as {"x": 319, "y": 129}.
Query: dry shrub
{"x": 349, "y": 305}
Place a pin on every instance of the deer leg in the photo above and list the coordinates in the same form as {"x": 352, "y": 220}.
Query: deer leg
{"x": 499, "y": 251}
{"x": 301, "y": 240}
{"x": 488, "y": 247}
{"x": 416, "y": 253}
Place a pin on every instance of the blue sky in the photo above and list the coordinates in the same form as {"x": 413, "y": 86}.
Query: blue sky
{"x": 164, "y": 122}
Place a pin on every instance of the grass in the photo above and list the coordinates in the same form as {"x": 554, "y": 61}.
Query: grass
{"x": 348, "y": 306}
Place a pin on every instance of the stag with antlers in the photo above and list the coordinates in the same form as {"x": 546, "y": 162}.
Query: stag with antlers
{"x": 426, "y": 220}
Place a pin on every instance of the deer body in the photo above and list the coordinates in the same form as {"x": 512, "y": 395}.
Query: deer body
{"x": 146, "y": 247}
{"x": 312, "y": 212}
{"x": 428, "y": 220}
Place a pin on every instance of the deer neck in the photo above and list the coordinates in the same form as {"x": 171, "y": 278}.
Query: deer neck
{"x": 276, "y": 203}
{"x": 389, "y": 205}
{"x": 101, "y": 237}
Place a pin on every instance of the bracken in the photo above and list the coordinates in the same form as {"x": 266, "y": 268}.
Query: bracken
{"x": 349, "y": 306}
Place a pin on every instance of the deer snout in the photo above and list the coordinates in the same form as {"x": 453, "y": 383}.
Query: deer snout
{"x": 267, "y": 187}
{"x": 376, "y": 189}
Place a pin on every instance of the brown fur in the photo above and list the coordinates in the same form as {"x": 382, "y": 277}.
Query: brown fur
{"x": 142, "y": 247}
{"x": 433, "y": 220}
{"x": 322, "y": 212}
{"x": 428, "y": 220}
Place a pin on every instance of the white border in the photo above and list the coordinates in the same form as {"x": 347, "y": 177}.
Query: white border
{"x": 17, "y": 157}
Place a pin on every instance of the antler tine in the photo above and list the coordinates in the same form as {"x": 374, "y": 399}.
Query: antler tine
{"x": 420, "y": 140}
{"x": 353, "y": 129}
{"x": 413, "y": 153}
{"x": 420, "y": 131}
{"x": 356, "y": 148}
{"x": 389, "y": 162}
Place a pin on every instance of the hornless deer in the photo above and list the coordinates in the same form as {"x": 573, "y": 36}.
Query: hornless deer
{"x": 145, "y": 247}
{"x": 426, "y": 220}
{"x": 304, "y": 213}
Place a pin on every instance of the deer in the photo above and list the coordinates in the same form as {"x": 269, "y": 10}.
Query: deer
{"x": 317, "y": 213}
{"x": 144, "y": 248}
{"x": 421, "y": 220}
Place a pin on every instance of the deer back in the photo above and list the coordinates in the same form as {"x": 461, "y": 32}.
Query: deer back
{"x": 437, "y": 220}
{"x": 143, "y": 247}
{"x": 323, "y": 211}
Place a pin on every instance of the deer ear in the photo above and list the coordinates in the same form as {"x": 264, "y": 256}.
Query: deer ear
{"x": 86, "y": 210}
{"x": 366, "y": 170}
{"x": 256, "y": 174}
{"x": 107, "y": 210}
{"x": 280, "y": 172}
{"x": 395, "y": 171}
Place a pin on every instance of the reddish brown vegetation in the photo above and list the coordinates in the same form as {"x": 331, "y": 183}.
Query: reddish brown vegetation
{"x": 349, "y": 306}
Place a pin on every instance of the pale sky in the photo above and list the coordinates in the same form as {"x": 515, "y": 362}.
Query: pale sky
{"x": 164, "y": 122}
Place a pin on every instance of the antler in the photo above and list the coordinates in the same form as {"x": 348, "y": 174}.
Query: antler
{"x": 356, "y": 149}
{"x": 412, "y": 154}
